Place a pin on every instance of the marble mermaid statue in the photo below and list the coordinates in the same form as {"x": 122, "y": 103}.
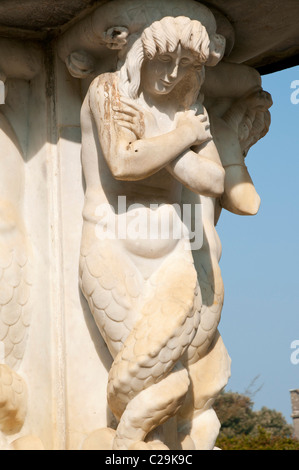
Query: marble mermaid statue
{"x": 147, "y": 138}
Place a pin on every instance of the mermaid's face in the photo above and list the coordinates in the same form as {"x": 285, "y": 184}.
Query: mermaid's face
{"x": 161, "y": 74}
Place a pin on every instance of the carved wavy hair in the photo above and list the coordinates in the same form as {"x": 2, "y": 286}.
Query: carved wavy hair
{"x": 161, "y": 37}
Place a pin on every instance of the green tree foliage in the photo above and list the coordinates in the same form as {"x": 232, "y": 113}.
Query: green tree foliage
{"x": 273, "y": 422}
{"x": 245, "y": 429}
{"x": 261, "y": 441}
{"x": 235, "y": 414}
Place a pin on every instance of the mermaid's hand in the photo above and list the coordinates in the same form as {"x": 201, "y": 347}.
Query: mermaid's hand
{"x": 130, "y": 116}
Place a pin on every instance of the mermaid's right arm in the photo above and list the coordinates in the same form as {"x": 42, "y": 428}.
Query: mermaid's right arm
{"x": 132, "y": 157}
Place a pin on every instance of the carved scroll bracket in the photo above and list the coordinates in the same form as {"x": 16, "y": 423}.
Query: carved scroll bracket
{"x": 93, "y": 46}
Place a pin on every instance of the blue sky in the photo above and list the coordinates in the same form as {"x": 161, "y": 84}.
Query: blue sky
{"x": 260, "y": 261}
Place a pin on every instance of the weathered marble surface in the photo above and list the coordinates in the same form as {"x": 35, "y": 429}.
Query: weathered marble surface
{"x": 124, "y": 103}
{"x": 172, "y": 115}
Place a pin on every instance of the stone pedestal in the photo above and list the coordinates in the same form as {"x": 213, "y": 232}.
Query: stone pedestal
{"x": 295, "y": 411}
